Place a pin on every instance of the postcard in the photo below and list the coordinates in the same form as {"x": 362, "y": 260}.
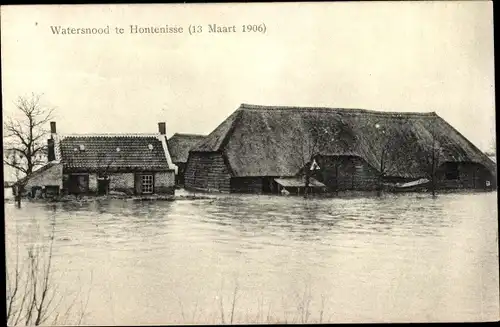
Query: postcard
{"x": 329, "y": 162}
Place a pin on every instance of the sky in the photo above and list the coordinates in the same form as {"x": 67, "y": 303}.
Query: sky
{"x": 387, "y": 56}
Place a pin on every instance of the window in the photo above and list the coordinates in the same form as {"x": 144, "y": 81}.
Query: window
{"x": 147, "y": 183}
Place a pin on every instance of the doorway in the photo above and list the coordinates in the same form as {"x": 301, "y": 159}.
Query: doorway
{"x": 103, "y": 185}
{"x": 78, "y": 183}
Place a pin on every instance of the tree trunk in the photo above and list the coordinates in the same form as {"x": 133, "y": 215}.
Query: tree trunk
{"x": 307, "y": 182}
{"x": 336, "y": 178}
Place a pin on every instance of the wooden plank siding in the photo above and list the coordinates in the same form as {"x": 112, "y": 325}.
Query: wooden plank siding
{"x": 347, "y": 173}
{"x": 469, "y": 175}
{"x": 207, "y": 171}
{"x": 247, "y": 185}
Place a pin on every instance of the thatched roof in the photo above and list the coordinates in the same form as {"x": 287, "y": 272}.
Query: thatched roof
{"x": 180, "y": 144}
{"x": 277, "y": 141}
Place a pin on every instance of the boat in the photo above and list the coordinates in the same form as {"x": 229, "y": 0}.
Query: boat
{"x": 421, "y": 184}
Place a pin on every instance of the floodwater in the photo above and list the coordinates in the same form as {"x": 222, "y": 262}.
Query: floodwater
{"x": 404, "y": 258}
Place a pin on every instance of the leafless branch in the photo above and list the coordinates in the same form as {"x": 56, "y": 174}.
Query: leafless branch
{"x": 31, "y": 295}
{"x": 233, "y": 305}
{"x": 25, "y": 133}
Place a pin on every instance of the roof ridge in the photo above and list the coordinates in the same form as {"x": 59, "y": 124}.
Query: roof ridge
{"x": 62, "y": 136}
{"x": 188, "y": 134}
{"x": 352, "y": 111}
{"x": 481, "y": 153}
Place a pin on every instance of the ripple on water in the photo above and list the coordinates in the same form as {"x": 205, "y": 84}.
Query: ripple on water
{"x": 357, "y": 252}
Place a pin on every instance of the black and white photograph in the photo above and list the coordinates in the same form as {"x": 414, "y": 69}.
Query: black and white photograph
{"x": 249, "y": 163}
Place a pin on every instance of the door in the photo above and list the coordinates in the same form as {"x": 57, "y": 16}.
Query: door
{"x": 102, "y": 186}
{"x": 78, "y": 183}
{"x": 83, "y": 183}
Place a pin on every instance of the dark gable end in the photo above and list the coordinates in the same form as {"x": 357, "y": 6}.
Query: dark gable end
{"x": 276, "y": 141}
{"x": 179, "y": 145}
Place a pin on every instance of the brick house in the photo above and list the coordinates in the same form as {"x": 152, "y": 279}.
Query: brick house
{"x": 135, "y": 164}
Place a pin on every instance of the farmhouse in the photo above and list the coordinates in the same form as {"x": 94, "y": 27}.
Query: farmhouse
{"x": 257, "y": 147}
{"x": 179, "y": 146}
{"x": 99, "y": 163}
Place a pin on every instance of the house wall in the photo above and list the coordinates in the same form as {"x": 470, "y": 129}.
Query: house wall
{"x": 164, "y": 182}
{"x": 347, "y": 173}
{"x": 207, "y": 171}
{"x": 470, "y": 176}
{"x": 125, "y": 182}
{"x": 121, "y": 182}
{"x": 93, "y": 183}
{"x": 51, "y": 176}
{"x": 247, "y": 185}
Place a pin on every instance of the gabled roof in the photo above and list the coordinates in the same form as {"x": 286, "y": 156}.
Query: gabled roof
{"x": 277, "y": 141}
{"x": 95, "y": 152}
{"x": 37, "y": 172}
{"x": 180, "y": 144}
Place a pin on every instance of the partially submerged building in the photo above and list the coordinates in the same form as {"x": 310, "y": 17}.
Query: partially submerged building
{"x": 257, "y": 147}
{"x": 99, "y": 163}
{"x": 46, "y": 179}
{"x": 179, "y": 146}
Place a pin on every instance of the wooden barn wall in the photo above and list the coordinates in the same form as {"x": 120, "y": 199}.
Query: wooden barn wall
{"x": 470, "y": 176}
{"x": 246, "y": 185}
{"x": 353, "y": 173}
{"x": 207, "y": 171}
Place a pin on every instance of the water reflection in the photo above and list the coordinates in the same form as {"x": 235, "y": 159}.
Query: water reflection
{"x": 305, "y": 219}
{"x": 186, "y": 247}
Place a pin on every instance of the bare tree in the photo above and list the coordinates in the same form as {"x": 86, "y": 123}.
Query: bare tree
{"x": 32, "y": 297}
{"x": 25, "y": 145}
{"x": 323, "y": 137}
{"x": 492, "y": 151}
{"x": 309, "y": 145}
{"x": 386, "y": 146}
{"x": 430, "y": 157}
{"x": 310, "y": 148}
{"x": 433, "y": 163}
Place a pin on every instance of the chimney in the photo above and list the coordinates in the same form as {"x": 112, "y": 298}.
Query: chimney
{"x": 162, "y": 129}
{"x": 53, "y": 127}
{"x": 51, "y": 151}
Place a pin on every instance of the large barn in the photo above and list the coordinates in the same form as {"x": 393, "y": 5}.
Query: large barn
{"x": 257, "y": 147}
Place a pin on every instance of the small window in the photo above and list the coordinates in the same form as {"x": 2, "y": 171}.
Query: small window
{"x": 147, "y": 184}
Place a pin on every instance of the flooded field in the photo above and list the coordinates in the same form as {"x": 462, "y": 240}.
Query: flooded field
{"x": 271, "y": 259}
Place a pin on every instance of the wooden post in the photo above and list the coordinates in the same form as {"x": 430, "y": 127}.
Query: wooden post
{"x": 17, "y": 195}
